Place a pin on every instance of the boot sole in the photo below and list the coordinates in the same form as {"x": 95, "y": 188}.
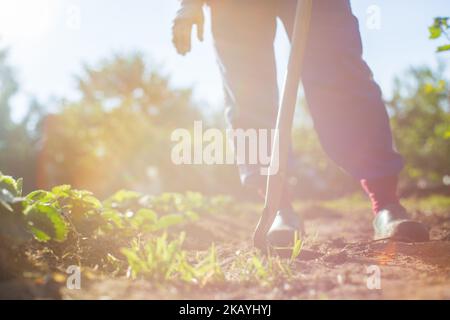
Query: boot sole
{"x": 406, "y": 231}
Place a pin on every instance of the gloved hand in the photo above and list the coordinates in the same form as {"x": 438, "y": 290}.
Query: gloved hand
{"x": 190, "y": 14}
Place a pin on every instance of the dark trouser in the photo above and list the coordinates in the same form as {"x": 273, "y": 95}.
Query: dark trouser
{"x": 345, "y": 102}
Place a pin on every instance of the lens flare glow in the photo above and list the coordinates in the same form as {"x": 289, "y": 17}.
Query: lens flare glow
{"x": 25, "y": 18}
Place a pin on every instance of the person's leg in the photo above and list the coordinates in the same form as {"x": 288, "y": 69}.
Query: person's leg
{"x": 243, "y": 32}
{"x": 350, "y": 117}
{"x": 345, "y": 102}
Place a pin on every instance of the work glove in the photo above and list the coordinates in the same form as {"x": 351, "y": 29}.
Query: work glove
{"x": 190, "y": 14}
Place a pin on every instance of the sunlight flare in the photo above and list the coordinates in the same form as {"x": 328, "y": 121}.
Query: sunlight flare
{"x": 25, "y": 18}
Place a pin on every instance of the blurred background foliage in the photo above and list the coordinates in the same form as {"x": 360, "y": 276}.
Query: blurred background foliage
{"x": 421, "y": 125}
{"x": 19, "y": 141}
{"x": 117, "y": 135}
{"x": 440, "y": 29}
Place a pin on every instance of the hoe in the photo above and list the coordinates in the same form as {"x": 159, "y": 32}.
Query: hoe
{"x": 276, "y": 182}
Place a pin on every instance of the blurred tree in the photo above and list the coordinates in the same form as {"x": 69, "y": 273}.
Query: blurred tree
{"x": 421, "y": 124}
{"x": 18, "y": 140}
{"x": 118, "y": 134}
{"x": 316, "y": 176}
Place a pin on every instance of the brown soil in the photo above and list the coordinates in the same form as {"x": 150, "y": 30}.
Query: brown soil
{"x": 332, "y": 265}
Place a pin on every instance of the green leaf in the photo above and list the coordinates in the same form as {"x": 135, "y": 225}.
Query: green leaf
{"x": 113, "y": 216}
{"x": 435, "y": 31}
{"x": 137, "y": 265}
{"x": 8, "y": 183}
{"x": 19, "y": 186}
{"x": 447, "y": 135}
{"x": 39, "y": 195}
{"x": 46, "y": 223}
{"x": 121, "y": 197}
{"x": 143, "y": 218}
{"x": 125, "y": 195}
{"x": 62, "y": 190}
{"x": 169, "y": 220}
{"x": 298, "y": 245}
{"x": 193, "y": 216}
{"x": 443, "y": 48}
{"x": 444, "y": 22}
{"x": 39, "y": 235}
{"x": 92, "y": 202}
{"x": 260, "y": 269}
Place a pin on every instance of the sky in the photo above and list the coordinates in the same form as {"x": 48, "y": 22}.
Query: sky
{"x": 49, "y": 40}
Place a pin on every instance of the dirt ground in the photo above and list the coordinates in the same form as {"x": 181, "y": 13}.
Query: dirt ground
{"x": 338, "y": 260}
